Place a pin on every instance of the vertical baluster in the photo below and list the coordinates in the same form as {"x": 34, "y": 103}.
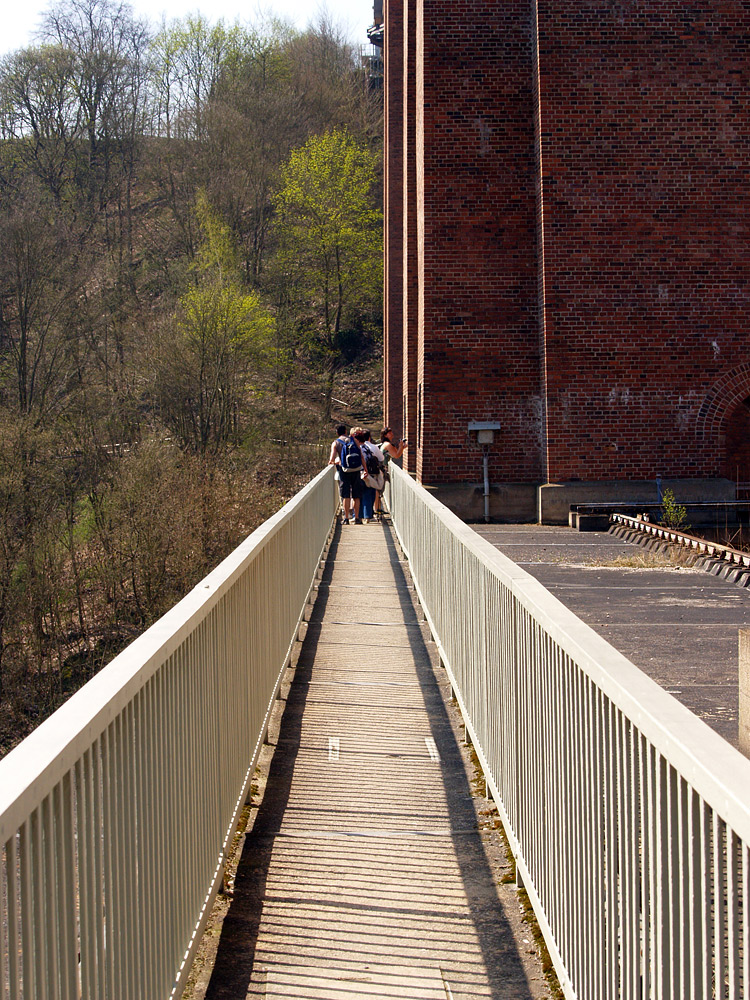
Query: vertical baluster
{"x": 116, "y": 837}
{"x": 647, "y": 866}
{"x": 634, "y": 858}
{"x": 705, "y": 938}
{"x": 574, "y": 843}
{"x": 599, "y": 901}
{"x": 733, "y": 930}
{"x": 66, "y": 893}
{"x": 161, "y": 845}
{"x": 4, "y": 906}
{"x": 572, "y": 941}
{"x": 675, "y": 886}
{"x": 129, "y": 841}
{"x": 683, "y": 888}
{"x": 107, "y": 857}
{"x": 694, "y": 896}
{"x": 28, "y": 935}
{"x": 720, "y": 926}
{"x": 143, "y": 793}
{"x": 49, "y": 895}
{"x": 610, "y": 797}
{"x": 14, "y": 917}
{"x": 183, "y": 777}
{"x": 85, "y": 875}
{"x": 621, "y": 820}
{"x": 745, "y": 921}
{"x": 662, "y": 832}
{"x": 39, "y": 896}
{"x": 591, "y": 876}
{"x": 555, "y": 790}
{"x": 174, "y": 819}
{"x": 554, "y": 839}
{"x": 6, "y": 940}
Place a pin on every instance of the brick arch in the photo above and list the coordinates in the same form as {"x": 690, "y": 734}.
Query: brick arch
{"x": 722, "y": 398}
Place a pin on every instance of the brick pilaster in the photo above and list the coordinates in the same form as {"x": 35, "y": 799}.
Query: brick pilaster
{"x": 410, "y": 268}
{"x": 393, "y": 207}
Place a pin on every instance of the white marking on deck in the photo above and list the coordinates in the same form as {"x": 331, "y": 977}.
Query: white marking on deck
{"x": 432, "y": 749}
{"x": 333, "y": 747}
{"x": 446, "y": 985}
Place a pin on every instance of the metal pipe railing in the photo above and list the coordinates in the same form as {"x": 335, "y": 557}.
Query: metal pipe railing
{"x": 116, "y": 813}
{"x": 629, "y": 818}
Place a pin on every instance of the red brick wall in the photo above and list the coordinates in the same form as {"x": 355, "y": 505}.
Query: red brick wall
{"x": 393, "y": 234}
{"x": 477, "y": 256}
{"x": 645, "y": 153}
{"x": 582, "y": 236}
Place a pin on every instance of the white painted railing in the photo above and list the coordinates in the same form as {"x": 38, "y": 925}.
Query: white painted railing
{"x": 629, "y": 817}
{"x": 115, "y": 814}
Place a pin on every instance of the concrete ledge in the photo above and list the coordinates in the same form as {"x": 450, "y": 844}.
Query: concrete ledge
{"x": 555, "y": 498}
{"x": 510, "y": 503}
{"x": 549, "y": 503}
{"x": 589, "y": 522}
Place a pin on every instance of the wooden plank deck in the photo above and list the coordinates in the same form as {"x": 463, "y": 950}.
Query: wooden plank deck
{"x": 365, "y": 873}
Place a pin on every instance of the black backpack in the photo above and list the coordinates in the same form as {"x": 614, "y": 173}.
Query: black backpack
{"x": 371, "y": 461}
{"x": 351, "y": 457}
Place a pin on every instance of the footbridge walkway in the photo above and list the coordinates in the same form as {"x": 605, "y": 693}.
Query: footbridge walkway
{"x": 627, "y": 816}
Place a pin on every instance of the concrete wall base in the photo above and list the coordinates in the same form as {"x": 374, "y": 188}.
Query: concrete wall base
{"x": 555, "y": 498}
{"x": 549, "y": 503}
{"x": 510, "y": 503}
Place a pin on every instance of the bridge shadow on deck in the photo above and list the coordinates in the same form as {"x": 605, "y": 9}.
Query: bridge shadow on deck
{"x": 352, "y": 879}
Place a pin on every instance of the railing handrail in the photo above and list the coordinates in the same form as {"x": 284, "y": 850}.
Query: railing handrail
{"x": 93, "y": 802}
{"x": 35, "y": 765}
{"x": 718, "y": 771}
{"x": 667, "y": 739}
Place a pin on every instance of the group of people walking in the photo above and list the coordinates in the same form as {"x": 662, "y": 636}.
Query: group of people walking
{"x": 362, "y": 470}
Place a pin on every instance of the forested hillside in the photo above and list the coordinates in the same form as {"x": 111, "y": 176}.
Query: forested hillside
{"x": 190, "y": 276}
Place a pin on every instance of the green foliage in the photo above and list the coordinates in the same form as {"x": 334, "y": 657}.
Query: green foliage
{"x": 330, "y": 235}
{"x": 673, "y": 514}
{"x": 220, "y": 344}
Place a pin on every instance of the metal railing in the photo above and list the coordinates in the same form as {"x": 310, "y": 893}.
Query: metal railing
{"x": 116, "y": 813}
{"x": 701, "y": 546}
{"x": 629, "y": 818}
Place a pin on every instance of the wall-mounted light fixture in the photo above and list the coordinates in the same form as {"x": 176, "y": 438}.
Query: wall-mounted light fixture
{"x": 485, "y": 432}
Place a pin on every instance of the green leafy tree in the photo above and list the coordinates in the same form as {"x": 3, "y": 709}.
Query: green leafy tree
{"x": 219, "y": 344}
{"x": 330, "y": 244}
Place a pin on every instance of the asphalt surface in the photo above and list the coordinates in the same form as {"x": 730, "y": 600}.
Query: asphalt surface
{"x": 679, "y": 625}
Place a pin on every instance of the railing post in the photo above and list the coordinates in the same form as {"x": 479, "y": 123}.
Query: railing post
{"x": 744, "y": 691}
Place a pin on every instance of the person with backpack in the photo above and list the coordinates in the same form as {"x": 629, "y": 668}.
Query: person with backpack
{"x": 351, "y": 467}
{"x": 336, "y": 445}
{"x": 374, "y": 481}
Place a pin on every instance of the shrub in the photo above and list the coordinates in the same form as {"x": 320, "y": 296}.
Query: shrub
{"x": 673, "y": 514}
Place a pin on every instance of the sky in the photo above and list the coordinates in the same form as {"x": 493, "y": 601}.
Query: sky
{"x": 19, "y": 20}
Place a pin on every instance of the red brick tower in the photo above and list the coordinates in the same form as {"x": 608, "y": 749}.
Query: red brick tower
{"x": 582, "y": 244}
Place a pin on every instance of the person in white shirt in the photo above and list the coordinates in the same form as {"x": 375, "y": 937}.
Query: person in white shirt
{"x": 371, "y": 495}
